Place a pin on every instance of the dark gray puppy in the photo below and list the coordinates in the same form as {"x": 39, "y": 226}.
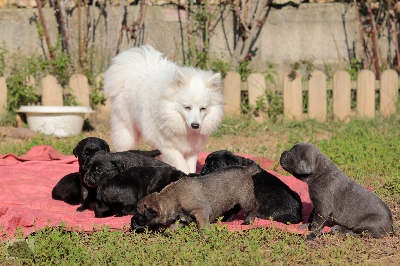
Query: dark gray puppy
{"x": 202, "y": 199}
{"x": 70, "y": 188}
{"x": 337, "y": 199}
{"x": 121, "y": 194}
{"x": 105, "y": 165}
{"x": 275, "y": 199}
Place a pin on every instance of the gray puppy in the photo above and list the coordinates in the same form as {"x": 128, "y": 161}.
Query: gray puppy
{"x": 201, "y": 198}
{"x": 337, "y": 199}
{"x": 105, "y": 165}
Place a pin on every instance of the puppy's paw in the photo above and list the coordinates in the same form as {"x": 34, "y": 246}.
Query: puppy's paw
{"x": 81, "y": 208}
{"x": 311, "y": 236}
{"x": 304, "y": 226}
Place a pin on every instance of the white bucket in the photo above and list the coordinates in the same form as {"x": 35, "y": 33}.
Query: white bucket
{"x": 61, "y": 121}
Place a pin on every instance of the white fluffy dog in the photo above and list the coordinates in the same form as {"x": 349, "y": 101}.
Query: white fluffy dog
{"x": 174, "y": 108}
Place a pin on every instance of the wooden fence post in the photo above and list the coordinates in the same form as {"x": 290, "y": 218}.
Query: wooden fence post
{"x": 389, "y": 92}
{"x": 366, "y": 93}
{"x": 3, "y": 94}
{"x": 80, "y": 89}
{"x": 52, "y": 94}
{"x": 231, "y": 91}
{"x": 256, "y": 87}
{"x": 292, "y": 97}
{"x": 317, "y": 100}
{"x": 341, "y": 96}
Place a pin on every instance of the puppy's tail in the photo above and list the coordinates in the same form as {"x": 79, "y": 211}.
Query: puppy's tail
{"x": 253, "y": 169}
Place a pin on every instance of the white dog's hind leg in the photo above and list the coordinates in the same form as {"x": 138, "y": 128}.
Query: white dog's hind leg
{"x": 192, "y": 162}
{"x": 123, "y": 136}
{"x": 175, "y": 158}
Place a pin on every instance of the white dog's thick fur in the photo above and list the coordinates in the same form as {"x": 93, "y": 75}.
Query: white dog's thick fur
{"x": 174, "y": 108}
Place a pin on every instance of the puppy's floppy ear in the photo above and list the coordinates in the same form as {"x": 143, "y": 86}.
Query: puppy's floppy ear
{"x": 106, "y": 147}
{"x": 149, "y": 214}
{"x": 214, "y": 83}
{"x": 119, "y": 165}
{"x": 75, "y": 151}
{"x": 246, "y": 161}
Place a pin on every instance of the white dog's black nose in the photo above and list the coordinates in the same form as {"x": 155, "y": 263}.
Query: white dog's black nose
{"x": 195, "y": 125}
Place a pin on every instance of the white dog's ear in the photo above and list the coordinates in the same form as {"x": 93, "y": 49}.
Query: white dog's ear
{"x": 179, "y": 79}
{"x": 214, "y": 83}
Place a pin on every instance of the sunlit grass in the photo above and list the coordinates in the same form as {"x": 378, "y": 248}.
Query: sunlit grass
{"x": 366, "y": 150}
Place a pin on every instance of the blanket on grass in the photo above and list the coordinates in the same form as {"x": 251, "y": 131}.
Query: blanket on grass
{"x": 26, "y": 183}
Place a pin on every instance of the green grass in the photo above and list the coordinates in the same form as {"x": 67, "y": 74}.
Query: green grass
{"x": 366, "y": 150}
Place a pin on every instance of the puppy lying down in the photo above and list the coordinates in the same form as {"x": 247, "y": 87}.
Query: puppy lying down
{"x": 70, "y": 188}
{"x": 337, "y": 199}
{"x": 275, "y": 199}
{"x": 201, "y": 198}
{"x": 105, "y": 165}
{"x": 121, "y": 194}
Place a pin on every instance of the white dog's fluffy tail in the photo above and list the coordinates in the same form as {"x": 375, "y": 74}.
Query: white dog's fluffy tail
{"x": 122, "y": 66}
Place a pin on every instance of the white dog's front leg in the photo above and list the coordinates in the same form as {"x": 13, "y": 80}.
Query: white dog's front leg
{"x": 192, "y": 162}
{"x": 175, "y": 158}
{"x": 122, "y": 134}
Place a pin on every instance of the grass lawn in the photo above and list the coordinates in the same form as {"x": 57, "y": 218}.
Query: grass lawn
{"x": 366, "y": 150}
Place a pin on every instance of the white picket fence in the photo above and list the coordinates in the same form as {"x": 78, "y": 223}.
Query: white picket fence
{"x": 317, "y": 94}
{"x": 52, "y": 93}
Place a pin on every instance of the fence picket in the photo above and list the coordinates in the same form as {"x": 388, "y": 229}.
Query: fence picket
{"x": 366, "y": 93}
{"x": 80, "y": 89}
{"x": 52, "y": 94}
{"x": 3, "y": 94}
{"x": 256, "y": 87}
{"x": 317, "y": 100}
{"x": 292, "y": 97}
{"x": 341, "y": 96}
{"x": 389, "y": 92}
{"x": 231, "y": 90}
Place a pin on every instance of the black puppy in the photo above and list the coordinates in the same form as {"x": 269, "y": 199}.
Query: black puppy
{"x": 121, "y": 194}
{"x": 70, "y": 188}
{"x": 337, "y": 199}
{"x": 105, "y": 165}
{"x": 275, "y": 199}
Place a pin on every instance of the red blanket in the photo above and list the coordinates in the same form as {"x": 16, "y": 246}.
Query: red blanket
{"x": 26, "y": 183}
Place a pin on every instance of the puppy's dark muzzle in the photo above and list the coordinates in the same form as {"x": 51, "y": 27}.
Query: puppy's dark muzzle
{"x": 195, "y": 125}
{"x": 89, "y": 181}
{"x": 139, "y": 228}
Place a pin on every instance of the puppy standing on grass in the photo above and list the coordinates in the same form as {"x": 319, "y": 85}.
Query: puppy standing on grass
{"x": 336, "y": 198}
{"x": 202, "y": 198}
{"x": 174, "y": 108}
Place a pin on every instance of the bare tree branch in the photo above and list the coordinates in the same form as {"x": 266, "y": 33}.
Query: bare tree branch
{"x": 45, "y": 31}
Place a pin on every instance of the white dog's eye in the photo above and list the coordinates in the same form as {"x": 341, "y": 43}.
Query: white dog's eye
{"x": 202, "y": 109}
{"x": 187, "y": 107}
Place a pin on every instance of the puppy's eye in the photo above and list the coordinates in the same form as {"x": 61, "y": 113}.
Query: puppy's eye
{"x": 188, "y": 108}
{"x": 202, "y": 109}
